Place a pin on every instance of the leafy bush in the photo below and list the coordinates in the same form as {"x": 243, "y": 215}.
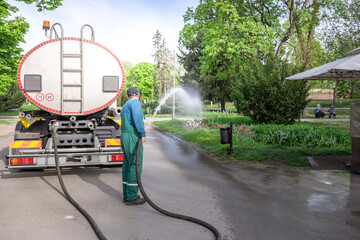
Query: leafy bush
{"x": 28, "y": 107}
{"x": 165, "y": 109}
{"x": 152, "y": 105}
{"x": 122, "y": 98}
{"x": 348, "y": 89}
{"x": 11, "y": 99}
{"x": 263, "y": 93}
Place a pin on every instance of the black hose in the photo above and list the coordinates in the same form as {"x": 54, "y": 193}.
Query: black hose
{"x": 170, "y": 214}
{"x": 92, "y": 222}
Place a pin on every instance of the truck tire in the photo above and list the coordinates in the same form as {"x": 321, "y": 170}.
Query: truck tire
{"x": 19, "y": 127}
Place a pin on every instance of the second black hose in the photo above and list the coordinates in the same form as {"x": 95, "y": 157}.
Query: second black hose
{"x": 157, "y": 208}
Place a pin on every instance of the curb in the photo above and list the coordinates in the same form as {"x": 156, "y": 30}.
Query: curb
{"x": 312, "y": 162}
{"x": 9, "y": 117}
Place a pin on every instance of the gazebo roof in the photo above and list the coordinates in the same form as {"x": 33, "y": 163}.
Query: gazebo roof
{"x": 342, "y": 69}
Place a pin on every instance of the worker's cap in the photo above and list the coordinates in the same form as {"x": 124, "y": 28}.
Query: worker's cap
{"x": 132, "y": 91}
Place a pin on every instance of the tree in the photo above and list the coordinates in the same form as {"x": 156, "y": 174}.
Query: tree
{"x": 189, "y": 58}
{"x": 229, "y": 39}
{"x": 43, "y": 5}
{"x": 12, "y": 32}
{"x": 12, "y": 99}
{"x": 163, "y": 59}
{"x": 342, "y": 34}
{"x": 123, "y": 97}
{"x": 295, "y": 21}
{"x": 142, "y": 77}
{"x": 127, "y": 66}
{"x": 234, "y": 34}
{"x": 263, "y": 93}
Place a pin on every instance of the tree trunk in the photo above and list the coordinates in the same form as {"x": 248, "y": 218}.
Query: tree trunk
{"x": 222, "y": 105}
{"x": 160, "y": 85}
{"x": 335, "y": 90}
{"x": 311, "y": 33}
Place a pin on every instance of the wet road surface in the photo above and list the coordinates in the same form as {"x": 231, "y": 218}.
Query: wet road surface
{"x": 243, "y": 203}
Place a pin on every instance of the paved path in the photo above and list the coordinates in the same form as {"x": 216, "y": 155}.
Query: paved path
{"x": 6, "y": 129}
{"x": 244, "y": 203}
{"x": 325, "y": 120}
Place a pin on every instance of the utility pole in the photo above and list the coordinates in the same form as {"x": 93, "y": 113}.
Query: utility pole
{"x": 173, "y": 110}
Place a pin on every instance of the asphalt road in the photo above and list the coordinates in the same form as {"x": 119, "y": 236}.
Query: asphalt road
{"x": 243, "y": 203}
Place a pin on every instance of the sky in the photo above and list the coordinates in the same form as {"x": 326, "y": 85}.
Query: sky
{"x": 125, "y": 27}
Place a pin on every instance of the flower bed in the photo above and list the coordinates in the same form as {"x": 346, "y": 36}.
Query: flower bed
{"x": 289, "y": 144}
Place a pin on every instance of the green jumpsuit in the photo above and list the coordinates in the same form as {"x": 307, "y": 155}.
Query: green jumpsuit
{"x": 129, "y": 142}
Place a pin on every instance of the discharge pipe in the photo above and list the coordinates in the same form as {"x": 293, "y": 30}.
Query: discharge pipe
{"x": 167, "y": 213}
{"x": 114, "y": 112}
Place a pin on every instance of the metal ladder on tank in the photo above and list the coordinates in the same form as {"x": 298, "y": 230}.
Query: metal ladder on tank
{"x": 77, "y": 56}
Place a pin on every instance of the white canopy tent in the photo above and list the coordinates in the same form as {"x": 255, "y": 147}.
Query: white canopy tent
{"x": 347, "y": 68}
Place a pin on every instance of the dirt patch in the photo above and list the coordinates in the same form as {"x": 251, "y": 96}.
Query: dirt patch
{"x": 321, "y": 96}
{"x": 7, "y": 129}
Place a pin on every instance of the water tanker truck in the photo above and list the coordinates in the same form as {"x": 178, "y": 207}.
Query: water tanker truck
{"x": 74, "y": 82}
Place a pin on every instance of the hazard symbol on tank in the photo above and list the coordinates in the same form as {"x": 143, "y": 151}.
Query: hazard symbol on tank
{"x": 40, "y": 97}
{"x": 49, "y": 97}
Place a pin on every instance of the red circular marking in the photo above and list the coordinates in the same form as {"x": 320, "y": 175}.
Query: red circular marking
{"x": 74, "y": 39}
{"x": 39, "y": 96}
{"x": 49, "y": 97}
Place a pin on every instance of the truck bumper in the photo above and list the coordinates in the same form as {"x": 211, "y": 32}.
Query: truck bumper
{"x": 41, "y": 161}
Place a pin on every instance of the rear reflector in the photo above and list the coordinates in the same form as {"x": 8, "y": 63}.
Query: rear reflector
{"x": 117, "y": 158}
{"x": 22, "y": 161}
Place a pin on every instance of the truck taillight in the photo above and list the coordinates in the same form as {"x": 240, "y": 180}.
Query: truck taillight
{"x": 117, "y": 158}
{"x": 22, "y": 161}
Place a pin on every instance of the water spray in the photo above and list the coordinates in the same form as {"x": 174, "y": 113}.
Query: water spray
{"x": 189, "y": 101}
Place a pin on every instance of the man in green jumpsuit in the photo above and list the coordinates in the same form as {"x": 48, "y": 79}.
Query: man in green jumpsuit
{"x": 132, "y": 129}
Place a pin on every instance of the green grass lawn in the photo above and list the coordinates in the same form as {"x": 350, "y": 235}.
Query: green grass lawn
{"x": 340, "y": 103}
{"x": 340, "y": 113}
{"x": 3, "y": 122}
{"x": 12, "y": 113}
{"x": 28, "y": 107}
{"x": 250, "y": 148}
{"x": 228, "y": 107}
{"x": 158, "y": 115}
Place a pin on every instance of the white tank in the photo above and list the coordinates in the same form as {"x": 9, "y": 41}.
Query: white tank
{"x": 78, "y": 79}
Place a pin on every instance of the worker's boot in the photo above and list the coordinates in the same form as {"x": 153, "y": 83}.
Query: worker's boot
{"x": 137, "y": 201}
{"x": 125, "y": 200}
